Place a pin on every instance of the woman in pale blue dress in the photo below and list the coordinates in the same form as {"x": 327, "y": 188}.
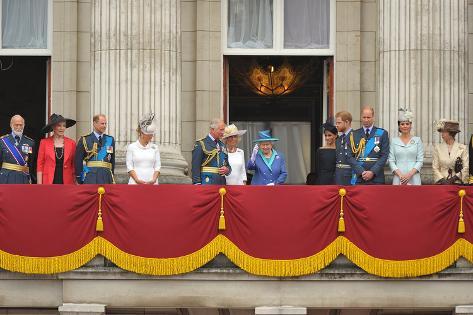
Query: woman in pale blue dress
{"x": 406, "y": 153}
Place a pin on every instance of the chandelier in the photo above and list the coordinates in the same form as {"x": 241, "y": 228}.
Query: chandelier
{"x": 271, "y": 80}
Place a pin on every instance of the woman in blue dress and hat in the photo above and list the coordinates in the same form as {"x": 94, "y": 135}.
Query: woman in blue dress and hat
{"x": 268, "y": 164}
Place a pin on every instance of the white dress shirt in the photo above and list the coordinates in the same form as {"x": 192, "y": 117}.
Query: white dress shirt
{"x": 237, "y": 162}
{"x": 144, "y": 160}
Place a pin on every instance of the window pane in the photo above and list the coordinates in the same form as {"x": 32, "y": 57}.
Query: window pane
{"x": 250, "y": 24}
{"x": 306, "y": 23}
{"x": 24, "y": 23}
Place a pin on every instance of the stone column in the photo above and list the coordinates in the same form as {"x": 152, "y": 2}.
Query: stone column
{"x": 136, "y": 69}
{"x": 81, "y": 309}
{"x": 422, "y": 64}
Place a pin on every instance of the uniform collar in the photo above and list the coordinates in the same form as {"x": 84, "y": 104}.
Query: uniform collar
{"x": 97, "y": 135}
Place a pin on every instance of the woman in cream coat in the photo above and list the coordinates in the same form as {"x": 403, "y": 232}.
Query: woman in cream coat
{"x": 448, "y": 153}
{"x": 406, "y": 153}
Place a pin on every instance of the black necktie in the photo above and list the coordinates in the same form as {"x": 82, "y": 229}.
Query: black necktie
{"x": 100, "y": 141}
{"x": 367, "y": 135}
{"x": 342, "y": 139}
{"x": 17, "y": 140}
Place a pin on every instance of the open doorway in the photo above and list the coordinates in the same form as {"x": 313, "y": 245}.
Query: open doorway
{"x": 23, "y": 82}
{"x": 293, "y": 106}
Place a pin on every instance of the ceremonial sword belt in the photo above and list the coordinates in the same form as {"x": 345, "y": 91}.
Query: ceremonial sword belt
{"x": 100, "y": 164}
{"x": 367, "y": 159}
{"x": 15, "y": 167}
{"x": 339, "y": 165}
{"x": 209, "y": 169}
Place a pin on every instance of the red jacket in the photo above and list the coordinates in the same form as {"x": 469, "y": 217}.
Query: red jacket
{"x": 47, "y": 160}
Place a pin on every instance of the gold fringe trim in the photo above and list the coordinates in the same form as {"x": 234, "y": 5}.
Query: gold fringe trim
{"x": 257, "y": 266}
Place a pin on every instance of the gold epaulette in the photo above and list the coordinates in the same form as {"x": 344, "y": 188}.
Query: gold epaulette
{"x": 91, "y": 152}
{"x": 4, "y": 136}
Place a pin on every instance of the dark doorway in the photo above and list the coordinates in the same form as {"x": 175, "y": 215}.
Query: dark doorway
{"x": 23, "y": 91}
{"x": 296, "y": 115}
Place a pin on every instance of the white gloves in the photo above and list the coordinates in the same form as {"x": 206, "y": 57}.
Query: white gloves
{"x": 270, "y": 184}
{"x": 253, "y": 154}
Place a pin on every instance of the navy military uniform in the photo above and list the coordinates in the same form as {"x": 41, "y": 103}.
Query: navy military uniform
{"x": 470, "y": 155}
{"x": 95, "y": 159}
{"x": 343, "y": 171}
{"x": 207, "y": 157}
{"x": 16, "y": 158}
{"x": 368, "y": 154}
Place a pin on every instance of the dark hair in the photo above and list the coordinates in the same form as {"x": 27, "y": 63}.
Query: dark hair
{"x": 330, "y": 128}
{"x": 399, "y": 125}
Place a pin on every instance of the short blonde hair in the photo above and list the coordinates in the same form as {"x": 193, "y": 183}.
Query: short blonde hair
{"x": 97, "y": 117}
{"x": 368, "y": 107}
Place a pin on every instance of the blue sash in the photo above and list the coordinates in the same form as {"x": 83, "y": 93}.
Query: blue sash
{"x": 269, "y": 163}
{"x": 14, "y": 151}
{"x": 100, "y": 156}
{"x": 370, "y": 143}
{"x": 369, "y": 146}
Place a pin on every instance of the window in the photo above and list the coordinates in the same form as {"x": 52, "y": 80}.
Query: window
{"x": 25, "y": 27}
{"x": 278, "y": 27}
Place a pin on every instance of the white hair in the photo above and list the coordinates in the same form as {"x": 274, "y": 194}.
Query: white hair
{"x": 15, "y": 117}
{"x": 215, "y": 122}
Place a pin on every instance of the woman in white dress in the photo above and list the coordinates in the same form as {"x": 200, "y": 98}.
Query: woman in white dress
{"x": 406, "y": 152}
{"x": 236, "y": 156}
{"x": 143, "y": 161}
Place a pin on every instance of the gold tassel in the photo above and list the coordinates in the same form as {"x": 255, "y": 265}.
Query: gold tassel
{"x": 341, "y": 225}
{"x": 341, "y": 221}
{"x": 99, "y": 225}
{"x": 221, "y": 221}
{"x": 461, "y": 222}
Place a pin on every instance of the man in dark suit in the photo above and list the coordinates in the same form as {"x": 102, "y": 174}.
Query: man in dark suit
{"x": 16, "y": 154}
{"x": 95, "y": 155}
{"x": 343, "y": 171}
{"x": 209, "y": 157}
{"x": 370, "y": 151}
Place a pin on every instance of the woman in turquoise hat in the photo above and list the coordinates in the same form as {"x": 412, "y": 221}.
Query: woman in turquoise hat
{"x": 268, "y": 164}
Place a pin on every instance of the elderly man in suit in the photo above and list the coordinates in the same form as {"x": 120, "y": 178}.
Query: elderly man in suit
{"x": 209, "y": 157}
{"x": 369, "y": 151}
{"x": 16, "y": 154}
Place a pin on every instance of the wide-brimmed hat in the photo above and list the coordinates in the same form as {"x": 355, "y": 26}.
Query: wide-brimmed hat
{"x": 265, "y": 136}
{"x": 56, "y": 119}
{"x": 148, "y": 124}
{"x": 232, "y": 130}
{"x": 405, "y": 115}
{"x": 448, "y": 125}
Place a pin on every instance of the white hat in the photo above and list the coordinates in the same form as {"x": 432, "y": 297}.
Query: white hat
{"x": 405, "y": 115}
{"x": 232, "y": 130}
{"x": 148, "y": 124}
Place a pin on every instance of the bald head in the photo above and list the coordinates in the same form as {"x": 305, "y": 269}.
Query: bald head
{"x": 17, "y": 124}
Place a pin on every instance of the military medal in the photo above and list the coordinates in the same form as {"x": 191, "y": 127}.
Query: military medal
{"x": 109, "y": 157}
{"x": 25, "y": 148}
{"x": 207, "y": 179}
{"x": 110, "y": 149}
{"x": 376, "y": 149}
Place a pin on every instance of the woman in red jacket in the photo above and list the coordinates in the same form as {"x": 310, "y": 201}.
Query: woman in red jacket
{"x": 56, "y": 153}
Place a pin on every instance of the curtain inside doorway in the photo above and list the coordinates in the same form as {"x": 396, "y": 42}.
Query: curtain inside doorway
{"x": 250, "y": 24}
{"x": 307, "y": 24}
{"x": 294, "y": 144}
{"x": 24, "y": 24}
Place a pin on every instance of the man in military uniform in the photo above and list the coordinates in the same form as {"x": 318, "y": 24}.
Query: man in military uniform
{"x": 209, "y": 157}
{"x": 369, "y": 151}
{"x": 95, "y": 155}
{"x": 343, "y": 171}
{"x": 16, "y": 154}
